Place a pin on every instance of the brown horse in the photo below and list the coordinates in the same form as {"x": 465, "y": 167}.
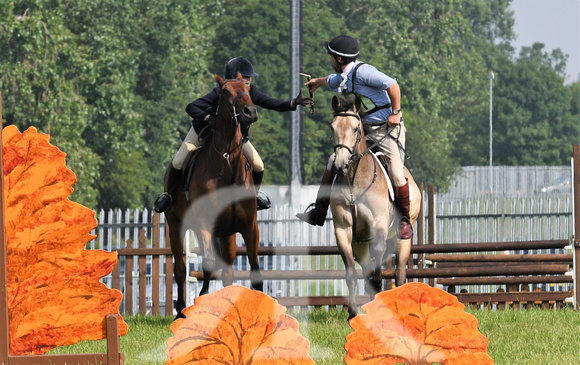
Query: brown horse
{"x": 220, "y": 198}
{"x": 362, "y": 210}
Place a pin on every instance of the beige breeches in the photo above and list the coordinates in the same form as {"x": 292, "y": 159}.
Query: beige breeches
{"x": 192, "y": 141}
{"x": 387, "y": 142}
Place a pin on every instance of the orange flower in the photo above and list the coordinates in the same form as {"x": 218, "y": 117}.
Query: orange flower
{"x": 415, "y": 324}
{"x": 54, "y": 294}
{"x": 237, "y": 325}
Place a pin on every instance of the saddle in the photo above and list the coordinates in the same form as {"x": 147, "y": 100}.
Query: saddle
{"x": 189, "y": 166}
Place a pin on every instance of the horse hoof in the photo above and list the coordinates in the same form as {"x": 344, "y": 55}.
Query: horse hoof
{"x": 179, "y": 315}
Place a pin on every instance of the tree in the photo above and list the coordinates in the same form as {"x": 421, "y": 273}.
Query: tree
{"x": 109, "y": 81}
{"x": 535, "y": 124}
{"x": 40, "y": 65}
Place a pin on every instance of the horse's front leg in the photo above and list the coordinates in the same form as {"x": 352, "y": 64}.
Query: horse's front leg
{"x": 403, "y": 254}
{"x": 343, "y": 240}
{"x": 228, "y": 255}
{"x": 209, "y": 262}
{"x": 377, "y": 250}
{"x": 251, "y": 237}
{"x": 176, "y": 236}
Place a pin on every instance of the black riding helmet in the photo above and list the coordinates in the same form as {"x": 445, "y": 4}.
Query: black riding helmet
{"x": 241, "y": 65}
{"x": 343, "y": 46}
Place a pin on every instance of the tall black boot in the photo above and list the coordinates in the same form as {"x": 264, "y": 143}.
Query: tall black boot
{"x": 263, "y": 202}
{"x": 317, "y": 216}
{"x": 163, "y": 201}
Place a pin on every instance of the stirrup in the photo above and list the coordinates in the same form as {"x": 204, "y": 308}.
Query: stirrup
{"x": 263, "y": 203}
{"x": 312, "y": 216}
{"x": 162, "y": 203}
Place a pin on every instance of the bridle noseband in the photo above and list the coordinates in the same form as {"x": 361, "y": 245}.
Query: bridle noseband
{"x": 358, "y": 137}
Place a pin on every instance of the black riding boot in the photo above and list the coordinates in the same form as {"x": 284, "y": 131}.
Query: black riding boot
{"x": 317, "y": 216}
{"x": 263, "y": 202}
{"x": 163, "y": 201}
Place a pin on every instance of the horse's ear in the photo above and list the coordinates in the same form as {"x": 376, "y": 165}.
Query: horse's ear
{"x": 357, "y": 103}
{"x": 219, "y": 80}
{"x": 239, "y": 76}
{"x": 335, "y": 102}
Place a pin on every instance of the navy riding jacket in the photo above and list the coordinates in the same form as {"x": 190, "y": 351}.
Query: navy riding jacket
{"x": 200, "y": 108}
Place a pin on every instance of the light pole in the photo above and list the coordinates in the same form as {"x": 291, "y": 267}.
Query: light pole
{"x": 491, "y": 77}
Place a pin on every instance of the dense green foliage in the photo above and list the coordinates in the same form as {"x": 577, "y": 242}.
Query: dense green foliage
{"x": 109, "y": 81}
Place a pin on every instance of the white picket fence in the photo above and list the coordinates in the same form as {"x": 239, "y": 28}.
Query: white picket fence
{"x": 547, "y": 217}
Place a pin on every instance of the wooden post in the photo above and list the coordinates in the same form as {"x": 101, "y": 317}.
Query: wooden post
{"x": 576, "y": 236}
{"x": 129, "y": 281}
{"x": 421, "y": 230}
{"x": 168, "y": 279}
{"x": 155, "y": 238}
{"x": 431, "y": 227}
{"x": 142, "y": 274}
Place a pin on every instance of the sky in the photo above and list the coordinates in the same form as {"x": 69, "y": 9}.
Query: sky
{"x": 556, "y": 23}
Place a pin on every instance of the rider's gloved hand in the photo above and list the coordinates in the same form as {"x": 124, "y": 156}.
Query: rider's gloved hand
{"x": 301, "y": 100}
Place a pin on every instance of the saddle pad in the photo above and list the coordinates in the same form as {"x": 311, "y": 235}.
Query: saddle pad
{"x": 391, "y": 190}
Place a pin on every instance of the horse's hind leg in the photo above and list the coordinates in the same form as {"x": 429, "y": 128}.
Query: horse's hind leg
{"x": 252, "y": 240}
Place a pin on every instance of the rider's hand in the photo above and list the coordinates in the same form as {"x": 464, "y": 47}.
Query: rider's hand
{"x": 301, "y": 100}
{"x": 394, "y": 120}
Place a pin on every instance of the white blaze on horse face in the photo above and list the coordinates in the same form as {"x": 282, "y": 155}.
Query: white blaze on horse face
{"x": 344, "y": 139}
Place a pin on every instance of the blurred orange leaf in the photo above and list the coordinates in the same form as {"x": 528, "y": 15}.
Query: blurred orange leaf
{"x": 237, "y": 325}
{"x": 415, "y": 324}
{"x": 54, "y": 294}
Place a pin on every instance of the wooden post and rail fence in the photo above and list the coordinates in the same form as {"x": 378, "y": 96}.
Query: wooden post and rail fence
{"x": 448, "y": 265}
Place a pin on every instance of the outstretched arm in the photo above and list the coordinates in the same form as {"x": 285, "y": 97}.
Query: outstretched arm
{"x": 314, "y": 84}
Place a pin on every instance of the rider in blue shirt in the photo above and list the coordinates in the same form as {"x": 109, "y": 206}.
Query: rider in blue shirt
{"x": 203, "y": 110}
{"x": 383, "y": 124}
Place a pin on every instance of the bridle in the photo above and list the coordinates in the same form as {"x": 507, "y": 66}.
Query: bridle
{"x": 355, "y": 157}
{"x": 231, "y": 107}
{"x": 351, "y": 150}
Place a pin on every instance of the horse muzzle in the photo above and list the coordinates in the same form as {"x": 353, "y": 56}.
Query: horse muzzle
{"x": 249, "y": 115}
{"x": 341, "y": 164}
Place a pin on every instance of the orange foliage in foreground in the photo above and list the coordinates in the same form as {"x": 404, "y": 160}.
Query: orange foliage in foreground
{"x": 54, "y": 294}
{"x": 416, "y": 324}
{"x": 236, "y": 325}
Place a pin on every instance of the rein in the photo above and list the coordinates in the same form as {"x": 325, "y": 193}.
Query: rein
{"x": 226, "y": 155}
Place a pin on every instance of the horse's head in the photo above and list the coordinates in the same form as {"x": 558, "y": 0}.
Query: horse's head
{"x": 235, "y": 94}
{"x": 346, "y": 130}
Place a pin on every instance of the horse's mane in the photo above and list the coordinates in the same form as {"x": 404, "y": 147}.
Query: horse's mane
{"x": 346, "y": 103}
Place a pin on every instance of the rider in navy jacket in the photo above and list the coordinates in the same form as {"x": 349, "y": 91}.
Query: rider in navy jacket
{"x": 202, "y": 110}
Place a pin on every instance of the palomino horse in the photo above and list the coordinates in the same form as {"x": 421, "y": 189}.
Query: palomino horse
{"x": 362, "y": 211}
{"x": 220, "y": 198}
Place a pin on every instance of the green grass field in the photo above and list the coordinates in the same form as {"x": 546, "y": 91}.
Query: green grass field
{"x": 532, "y": 336}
